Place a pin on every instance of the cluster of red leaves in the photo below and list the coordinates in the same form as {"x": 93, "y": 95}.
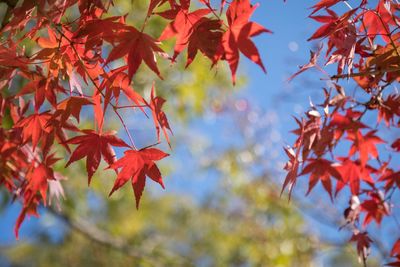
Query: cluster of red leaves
{"x": 363, "y": 42}
{"x": 69, "y": 72}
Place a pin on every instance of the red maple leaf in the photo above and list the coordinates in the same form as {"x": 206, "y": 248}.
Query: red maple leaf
{"x": 34, "y": 127}
{"x": 183, "y": 25}
{"x": 352, "y": 173}
{"x": 396, "y": 249}
{"x": 237, "y": 37}
{"x": 153, "y": 4}
{"x": 375, "y": 208}
{"x": 323, "y": 4}
{"x": 34, "y": 190}
{"x": 136, "y": 165}
{"x": 396, "y": 145}
{"x": 348, "y": 122}
{"x": 377, "y": 22}
{"x": 292, "y": 166}
{"x": 309, "y": 132}
{"x": 390, "y": 177}
{"x": 395, "y": 253}
{"x": 364, "y": 144}
{"x": 321, "y": 169}
{"x": 139, "y": 46}
{"x": 206, "y": 37}
{"x": 389, "y": 109}
{"x": 312, "y": 63}
{"x": 43, "y": 88}
{"x": 363, "y": 244}
{"x": 71, "y": 106}
{"x": 30, "y": 210}
{"x": 93, "y": 145}
{"x": 159, "y": 117}
{"x": 332, "y": 23}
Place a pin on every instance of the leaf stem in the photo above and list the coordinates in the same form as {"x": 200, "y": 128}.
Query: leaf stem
{"x": 125, "y": 127}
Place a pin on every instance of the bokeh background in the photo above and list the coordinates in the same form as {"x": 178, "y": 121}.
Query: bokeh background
{"x": 222, "y": 203}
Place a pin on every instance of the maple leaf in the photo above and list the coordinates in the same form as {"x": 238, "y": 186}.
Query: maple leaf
{"x": 34, "y": 127}
{"x": 396, "y": 145}
{"x": 93, "y": 146}
{"x": 153, "y": 4}
{"x": 367, "y": 82}
{"x": 376, "y": 22}
{"x": 37, "y": 178}
{"x": 57, "y": 53}
{"x": 395, "y": 263}
{"x": 35, "y": 188}
{"x": 389, "y": 109}
{"x": 139, "y": 46}
{"x": 352, "y": 173}
{"x": 9, "y": 58}
{"x": 116, "y": 81}
{"x": 346, "y": 123}
{"x": 321, "y": 169}
{"x": 56, "y": 190}
{"x": 309, "y": 132}
{"x": 364, "y": 144}
{"x": 323, "y": 4}
{"x": 42, "y": 88}
{"x": 182, "y": 26}
{"x": 292, "y": 166}
{"x": 390, "y": 177}
{"x": 332, "y": 23}
{"x": 71, "y": 106}
{"x": 375, "y": 208}
{"x": 136, "y": 165}
{"x": 30, "y": 210}
{"x": 206, "y": 37}
{"x": 345, "y": 42}
{"x": 159, "y": 117}
{"x": 312, "y": 63}
{"x": 396, "y": 249}
{"x": 93, "y": 32}
{"x": 237, "y": 37}
{"x": 363, "y": 244}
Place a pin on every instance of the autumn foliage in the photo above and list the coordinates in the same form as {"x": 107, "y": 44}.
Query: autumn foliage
{"x": 349, "y": 142}
{"x": 69, "y": 72}
{"x": 342, "y": 142}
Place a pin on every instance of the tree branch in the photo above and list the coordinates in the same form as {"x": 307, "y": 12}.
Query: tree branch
{"x": 364, "y": 73}
{"x": 102, "y": 237}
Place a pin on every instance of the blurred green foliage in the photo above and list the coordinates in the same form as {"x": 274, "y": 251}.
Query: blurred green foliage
{"x": 246, "y": 227}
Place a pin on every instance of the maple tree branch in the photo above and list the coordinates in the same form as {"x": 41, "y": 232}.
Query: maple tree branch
{"x": 99, "y": 236}
{"x": 98, "y": 89}
{"x": 364, "y": 73}
{"x": 103, "y": 238}
{"x": 309, "y": 210}
{"x": 125, "y": 127}
{"x": 131, "y": 106}
{"x": 152, "y": 145}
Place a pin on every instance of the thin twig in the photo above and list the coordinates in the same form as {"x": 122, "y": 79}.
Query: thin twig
{"x": 364, "y": 73}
